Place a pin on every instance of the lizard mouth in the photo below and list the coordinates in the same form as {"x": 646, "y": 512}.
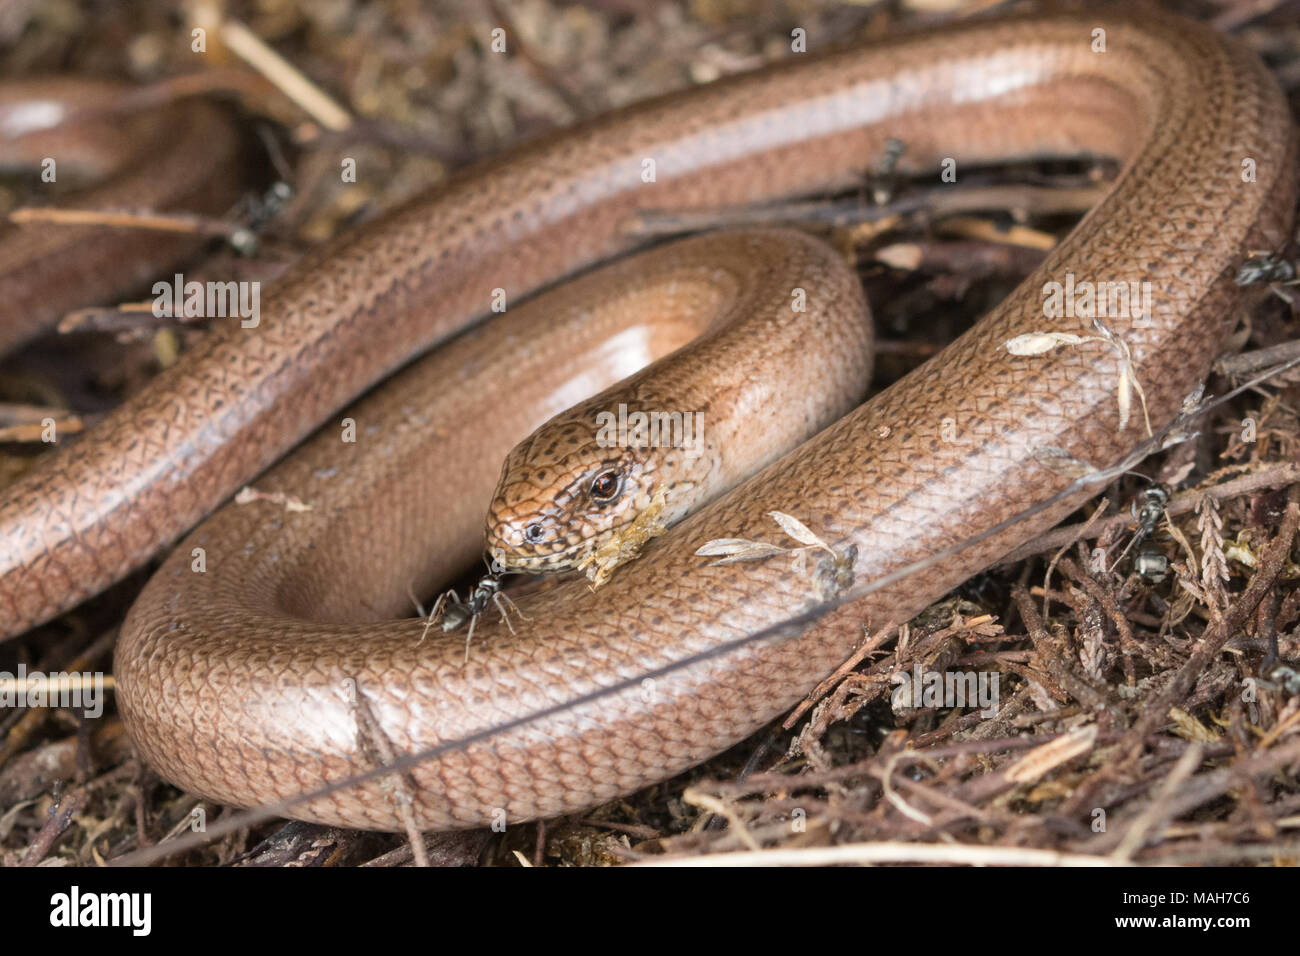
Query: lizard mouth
{"x": 509, "y": 558}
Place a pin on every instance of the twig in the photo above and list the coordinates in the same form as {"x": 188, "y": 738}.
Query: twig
{"x": 372, "y": 740}
{"x": 1053, "y": 658}
{"x": 541, "y": 71}
{"x": 936, "y": 201}
{"x": 35, "y": 432}
{"x": 1127, "y": 642}
{"x": 952, "y": 854}
{"x": 1161, "y": 807}
{"x": 1273, "y": 476}
{"x": 36, "y": 716}
{"x": 1209, "y": 786}
{"x": 716, "y": 805}
{"x": 124, "y": 219}
{"x": 287, "y": 78}
{"x": 1248, "y": 363}
{"x": 853, "y": 660}
{"x": 1056, "y": 559}
{"x": 60, "y": 816}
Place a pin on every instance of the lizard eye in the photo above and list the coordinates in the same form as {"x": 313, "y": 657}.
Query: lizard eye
{"x": 604, "y": 487}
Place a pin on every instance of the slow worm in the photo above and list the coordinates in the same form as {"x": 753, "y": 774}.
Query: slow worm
{"x": 246, "y": 680}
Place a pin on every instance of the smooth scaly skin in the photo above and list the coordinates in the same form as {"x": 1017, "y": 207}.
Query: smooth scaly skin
{"x": 246, "y": 705}
{"x": 711, "y": 388}
{"x": 186, "y": 157}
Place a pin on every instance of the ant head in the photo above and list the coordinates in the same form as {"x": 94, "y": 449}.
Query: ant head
{"x": 1158, "y": 494}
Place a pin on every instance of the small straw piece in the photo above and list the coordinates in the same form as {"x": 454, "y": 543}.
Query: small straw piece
{"x": 250, "y": 48}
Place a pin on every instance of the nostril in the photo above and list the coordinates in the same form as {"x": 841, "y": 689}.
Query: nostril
{"x": 534, "y": 532}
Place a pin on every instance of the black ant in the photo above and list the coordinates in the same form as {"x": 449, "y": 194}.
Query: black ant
{"x": 1279, "y": 676}
{"x": 1265, "y": 267}
{"x": 1149, "y": 563}
{"x": 454, "y": 613}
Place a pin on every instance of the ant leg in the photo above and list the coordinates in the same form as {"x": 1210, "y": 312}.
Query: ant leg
{"x": 1127, "y": 548}
{"x": 438, "y": 607}
{"x": 470, "y": 636}
{"x": 504, "y": 605}
{"x": 499, "y": 600}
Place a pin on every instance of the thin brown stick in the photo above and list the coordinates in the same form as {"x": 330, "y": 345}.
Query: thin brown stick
{"x": 372, "y": 740}
{"x": 124, "y": 219}
{"x": 540, "y": 70}
{"x": 936, "y": 201}
{"x": 1273, "y": 476}
{"x": 288, "y": 79}
{"x": 1248, "y": 363}
{"x": 1053, "y": 658}
{"x": 28, "y": 724}
{"x": 60, "y": 816}
{"x": 853, "y": 660}
{"x": 1056, "y": 559}
{"x": 1158, "y": 813}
